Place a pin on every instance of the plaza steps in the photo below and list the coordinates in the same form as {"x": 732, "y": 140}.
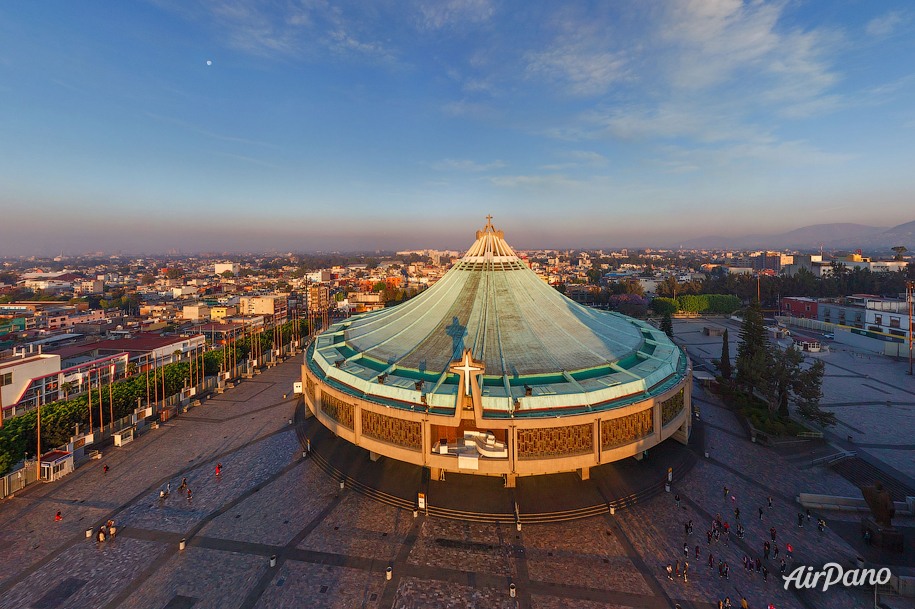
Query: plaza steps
{"x": 679, "y": 470}
{"x": 861, "y": 473}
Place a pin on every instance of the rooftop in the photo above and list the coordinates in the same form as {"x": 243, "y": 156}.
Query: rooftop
{"x": 541, "y": 350}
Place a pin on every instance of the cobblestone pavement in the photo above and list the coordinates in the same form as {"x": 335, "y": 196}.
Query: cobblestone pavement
{"x": 332, "y": 547}
{"x": 216, "y": 579}
{"x": 419, "y": 594}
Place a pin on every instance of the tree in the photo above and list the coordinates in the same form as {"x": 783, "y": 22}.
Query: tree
{"x": 664, "y": 305}
{"x": 808, "y": 390}
{"x": 227, "y": 274}
{"x": 900, "y": 250}
{"x": 667, "y": 325}
{"x": 753, "y": 351}
{"x": 724, "y": 365}
{"x": 782, "y": 374}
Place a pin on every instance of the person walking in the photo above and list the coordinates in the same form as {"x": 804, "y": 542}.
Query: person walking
{"x": 218, "y": 469}
{"x": 670, "y": 571}
{"x": 112, "y": 530}
{"x": 188, "y": 495}
{"x": 770, "y": 502}
{"x": 766, "y": 549}
{"x": 789, "y": 550}
{"x": 772, "y": 533}
{"x": 677, "y": 499}
{"x": 711, "y": 560}
{"x": 760, "y": 513}
{"x": 58, "y": 517}
{"x": 697, "y": 551}
{"x": 765, "y": 574}
{"x": 105, "y": 468}
{"x": 736, "y": 513}
{"x": 685, "y": 572}
{"x": 686, "y": 550}
{"x": 775, "y": 551}
{"x": 744, "y": 604}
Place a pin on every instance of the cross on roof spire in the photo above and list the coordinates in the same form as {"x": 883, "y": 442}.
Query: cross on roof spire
{"x": 489, "y": 220}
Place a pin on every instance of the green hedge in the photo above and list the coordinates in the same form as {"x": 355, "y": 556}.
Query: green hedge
{"x": 697, "y": 303}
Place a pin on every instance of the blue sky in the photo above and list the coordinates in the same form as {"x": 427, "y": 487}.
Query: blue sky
{"x": 357, "y": 125}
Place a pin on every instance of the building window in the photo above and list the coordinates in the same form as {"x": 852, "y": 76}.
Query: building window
{"x": 894, "y": 322}
{"x": 6, "y": 379}
{"x": 878, "y": 319}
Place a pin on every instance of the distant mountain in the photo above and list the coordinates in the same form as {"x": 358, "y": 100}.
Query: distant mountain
{"x": 831, "y": 236}
{"x": 904, "y": 234}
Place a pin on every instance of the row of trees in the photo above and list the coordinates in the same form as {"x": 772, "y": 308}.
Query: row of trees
{"x": 776, "y": 376}
{"x": 59, "y": 419}
{"x": 724, "y": 304}
{"x": 841, "y": 281}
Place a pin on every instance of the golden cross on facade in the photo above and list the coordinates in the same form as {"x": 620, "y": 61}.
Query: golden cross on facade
{"x": 489, "y": 220}
{"x": 467, "y": 368}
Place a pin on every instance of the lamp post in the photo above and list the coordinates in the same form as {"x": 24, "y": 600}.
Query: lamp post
{"x": 910, "y": 300}
{"x": 38, "y": 449}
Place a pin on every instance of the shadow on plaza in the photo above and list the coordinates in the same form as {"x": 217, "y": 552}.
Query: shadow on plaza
{"x": 466, "y": 496}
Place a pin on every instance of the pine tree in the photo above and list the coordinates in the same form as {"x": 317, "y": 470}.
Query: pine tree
{"x": 808, "y": 390}
{"x": 753, "y": 351}
{"x": 667, "y": 324}
{"x": 724, "y": 365}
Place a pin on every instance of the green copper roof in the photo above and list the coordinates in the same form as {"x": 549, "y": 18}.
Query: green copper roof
{"x": 531, "y": 338}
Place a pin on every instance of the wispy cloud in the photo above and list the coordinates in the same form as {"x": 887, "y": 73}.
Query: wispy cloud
{"x": 577, "y": 70}
{"x": 886, "y": 25}
{"x": 470, "y": 109}
{"x": 210, "y": 134}
{"x": 440, "y": 14}
{"x": 549, "y": 181}
{"x": 246, "y": 159}
{"x": 290, "y": 29}
{"x": 466, "y": 165}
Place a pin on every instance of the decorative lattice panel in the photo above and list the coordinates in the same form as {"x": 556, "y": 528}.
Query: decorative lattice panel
{"x": 310, "y": 389}
{"x": 627, "y": 429}
{"x": 408, "y": 434}
{"x": 555, "y": 441}
{"x": 671, "y": 407}
{"x": 338, "y": 410}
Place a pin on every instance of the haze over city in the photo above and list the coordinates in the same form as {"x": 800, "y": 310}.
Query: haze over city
{"x": 301, "y": 126}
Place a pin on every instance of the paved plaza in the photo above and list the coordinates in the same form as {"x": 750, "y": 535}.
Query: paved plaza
{"x": 332, "y": 547}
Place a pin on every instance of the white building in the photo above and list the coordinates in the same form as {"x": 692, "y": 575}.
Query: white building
{"x": 16, "y": 373}
{"x": 232, "y": 267}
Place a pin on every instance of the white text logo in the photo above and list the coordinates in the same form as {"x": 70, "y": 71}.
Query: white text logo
{"x": 832, "y": 573}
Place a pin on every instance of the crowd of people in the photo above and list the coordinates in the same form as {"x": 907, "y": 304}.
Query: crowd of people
{"x": 719, "y": 532}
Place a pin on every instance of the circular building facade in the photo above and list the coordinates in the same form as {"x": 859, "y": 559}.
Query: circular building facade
{"x": 491, "y": 371}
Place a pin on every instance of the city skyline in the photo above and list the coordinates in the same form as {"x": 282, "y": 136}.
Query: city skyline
{"x": 234, "y": 126}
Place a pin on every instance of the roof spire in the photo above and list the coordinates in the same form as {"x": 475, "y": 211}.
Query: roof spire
{"x": 490, "y": 244}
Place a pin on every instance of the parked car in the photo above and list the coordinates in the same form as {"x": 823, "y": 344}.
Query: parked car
{"x": 829, "y": 336}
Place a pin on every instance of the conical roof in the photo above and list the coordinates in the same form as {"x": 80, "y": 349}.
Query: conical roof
{"x": 534, "y": 341}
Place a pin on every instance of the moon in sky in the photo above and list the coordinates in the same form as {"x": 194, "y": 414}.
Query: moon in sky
{"x": 209, "y": 63}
